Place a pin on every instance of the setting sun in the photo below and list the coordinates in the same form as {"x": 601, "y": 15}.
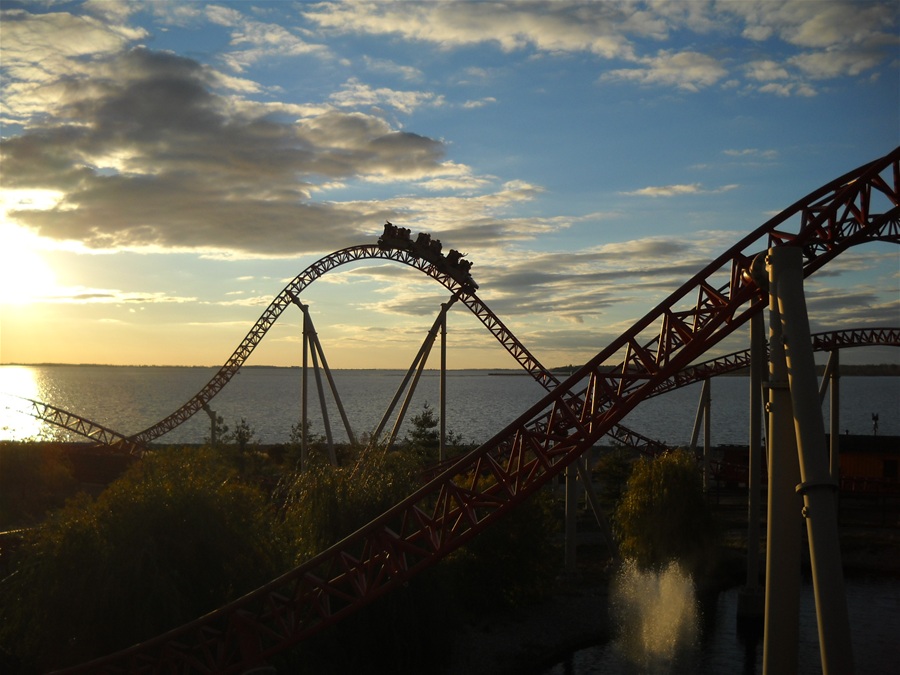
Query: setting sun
{"x": 24, "y": 275}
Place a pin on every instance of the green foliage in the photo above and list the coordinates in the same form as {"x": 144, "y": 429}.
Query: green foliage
{"x": 424, "y": 436}
{"x": 325, "y": 503}
{"x": 512, "y": 563}
{"x": 34, "y": 478}
{"x": 612, "y": 470}
{"x": 664, "y": 516}
{"x": 182, "y": 532}
{"x": 177, "y": 536}
{"x": 242, "y": 436}
{"x": 218, "y": 431}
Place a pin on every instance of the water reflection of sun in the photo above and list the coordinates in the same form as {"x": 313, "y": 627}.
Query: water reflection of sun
{"x": 16, "y": 424}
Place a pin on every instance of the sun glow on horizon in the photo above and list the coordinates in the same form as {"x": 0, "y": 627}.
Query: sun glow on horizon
{"x": 25, "y": 277}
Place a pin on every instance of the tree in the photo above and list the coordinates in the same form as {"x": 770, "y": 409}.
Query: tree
{"x": 35, "y": 478}
{"x": 663, "y": 514}
{"x": 612, "y": 470}
{"x": 424, "y": 435}
{"x": 177, "y": 536}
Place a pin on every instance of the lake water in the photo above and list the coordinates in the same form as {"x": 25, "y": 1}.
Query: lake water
{"x": 479, "y": 403}
{"x": 873, "y": 605}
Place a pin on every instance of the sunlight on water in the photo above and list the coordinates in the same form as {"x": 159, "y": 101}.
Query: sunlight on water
{"x": 658, "y": 617}
{"x": 16, "y": 424}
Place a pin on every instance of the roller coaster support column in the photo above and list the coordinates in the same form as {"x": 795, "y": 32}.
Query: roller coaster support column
{"x": 751, "y": 600}
{"x": 818, "y": 489}
{"x": 442, "y": 450}
{"x": 784, "y": 522}
{"x": 571, "y": 516}
{"x": 703, "y": 412}
{"x": 311, "y": 339}
{"x": 304, "y": 399}
{"x": 831, "y": 380}
{"x": 212, "y": 424}
{"x": 417, "y": 366}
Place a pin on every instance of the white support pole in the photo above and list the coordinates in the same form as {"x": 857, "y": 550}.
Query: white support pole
{"x": 784, "y": 522}
{"x": 835, "y": 416}
{"x": 332, "y": 456}
{"x": 212, "y": 424}
{"x": 818, "y": 489}
{"x": 304, "y": 418}
{"x": 594, "y": 501}
{"x": 317, "y": 346}
{"x": 751, "y": 599}
{"x": 442, "y": 447}
{"x": 703, "y": 413}
{"x": 571, "y": 528}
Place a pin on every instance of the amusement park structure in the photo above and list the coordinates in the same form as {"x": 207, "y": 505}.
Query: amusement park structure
{"x": 476, "y": 489}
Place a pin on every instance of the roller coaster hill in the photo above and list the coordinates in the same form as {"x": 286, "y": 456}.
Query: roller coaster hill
{"x": 429, "y": 249}
{"x": 473, "y": 491}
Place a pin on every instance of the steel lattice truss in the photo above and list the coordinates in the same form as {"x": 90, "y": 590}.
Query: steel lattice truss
{"x": 75, "y": 423}
{"x": 493, "y": 479}
{"x": 290, "y": 295}
{"x": 821, "y": 342}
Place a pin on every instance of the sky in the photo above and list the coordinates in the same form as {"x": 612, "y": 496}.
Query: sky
{"x": 166, "y": 168}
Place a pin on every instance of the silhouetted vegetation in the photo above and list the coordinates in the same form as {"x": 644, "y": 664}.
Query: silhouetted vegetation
{"x": 175, "y": 537}
{"x": 185, "y": 530}
{"x": 663, "y": 514}
{"x": 34, "y": 478}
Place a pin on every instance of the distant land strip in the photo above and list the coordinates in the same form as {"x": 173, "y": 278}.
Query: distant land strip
{"x": 850, "y": 370}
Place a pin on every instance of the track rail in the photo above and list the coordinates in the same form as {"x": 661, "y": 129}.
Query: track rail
{"x": 493, "y": 479}
{"x": 290, "y": 295}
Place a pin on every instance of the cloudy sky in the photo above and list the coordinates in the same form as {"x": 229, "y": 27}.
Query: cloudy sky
{"x": 167, "y": 167}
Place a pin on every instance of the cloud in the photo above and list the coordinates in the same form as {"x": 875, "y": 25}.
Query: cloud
{"x": 752, "y": 153}
{"x": 599, "y": 28}
{"x": 355, "y": 94}
{"x": 841, "y": 37}
{"x": 835, "y": 24}
{"x": 690, "y": 71}
{"x": 146, "y": 154}
{"x": 386, "y": 66}
{"x": 79, "y": 295}
{"x": 677, "y": 190}
{"x": 256, "y": 41}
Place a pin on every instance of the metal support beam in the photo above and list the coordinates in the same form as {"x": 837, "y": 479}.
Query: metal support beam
{"x": 318, "y": 353}
{"x": 817, "y": 489}
{"x": 304, "y": 397}
{"x": 594, "y": 501}
{"x": 831, "y": 381}
{"x": 313, "y": 338}
{"x": 442, "y": 447}
{"x": 571, "y": 529}
{"x": 751, "y": 600}
{"x": 703, "y": 413}
{"x": 417, "y": 365}
{"x": 784, "y": 522}
{"x": 212, "y": 424}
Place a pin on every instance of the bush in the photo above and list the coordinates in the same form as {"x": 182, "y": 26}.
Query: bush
{"x": 510, "y": 564}
{"x": 34, "y": 478}
{"x": 663, "y": 514}
{"x": 177, "y": 536}
{"x": 325, "y": 503}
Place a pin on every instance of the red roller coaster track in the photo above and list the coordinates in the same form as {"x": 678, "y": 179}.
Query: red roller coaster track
{"x": 494, "y": 478}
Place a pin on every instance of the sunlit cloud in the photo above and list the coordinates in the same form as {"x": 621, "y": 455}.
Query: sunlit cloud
{"x": 678, "y": 190}
{"x": 355, "y": 94}
{"x": 690, "y": 71}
